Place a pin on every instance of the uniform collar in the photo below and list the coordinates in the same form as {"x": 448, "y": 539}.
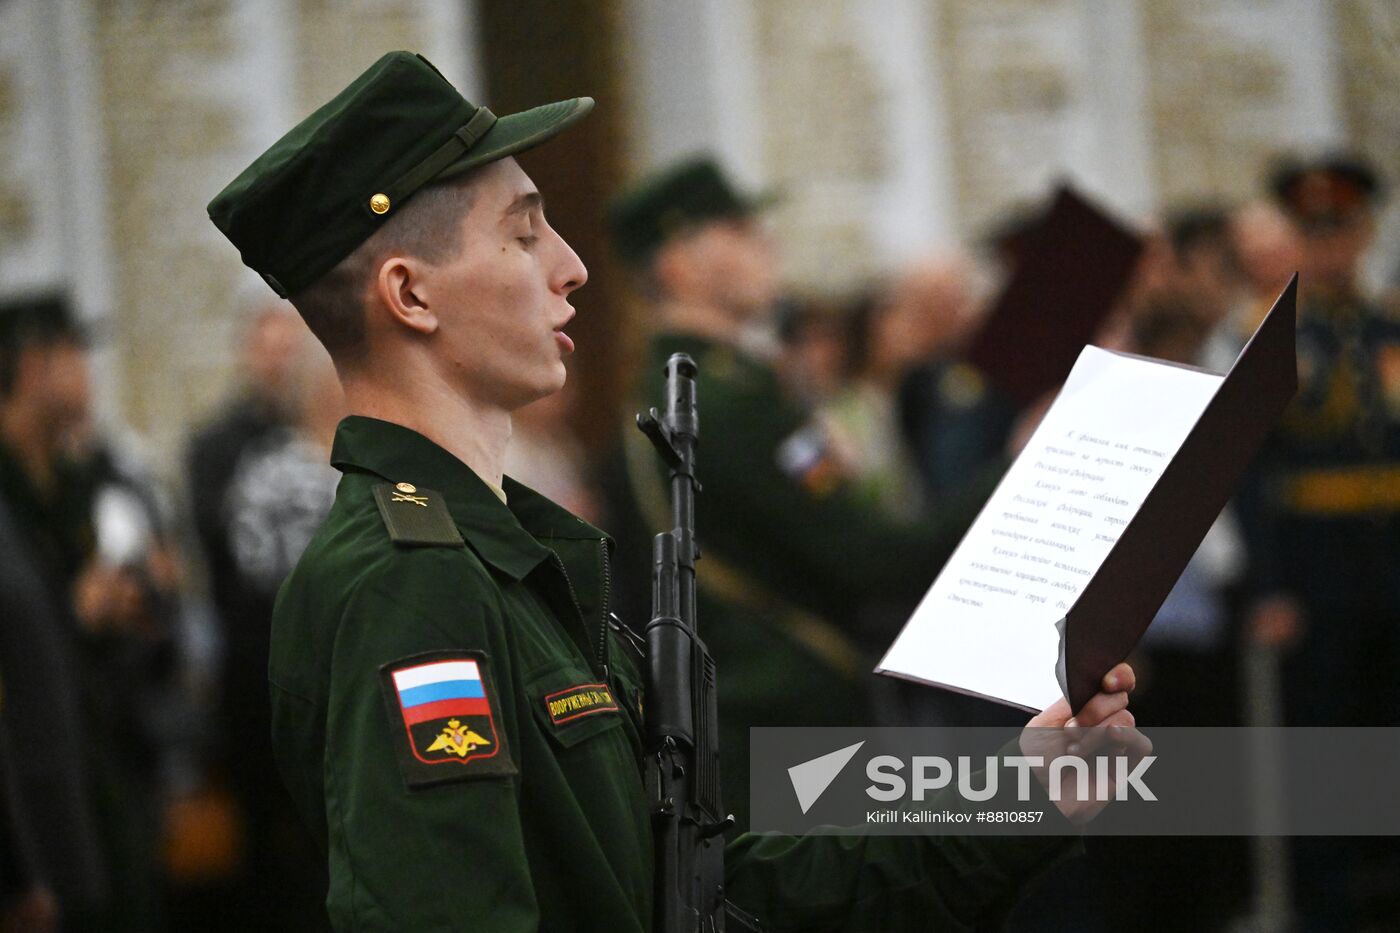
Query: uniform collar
{"x": 506, "y": 536}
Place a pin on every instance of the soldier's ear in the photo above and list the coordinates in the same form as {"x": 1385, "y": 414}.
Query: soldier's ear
{"x": 398, "y": 285}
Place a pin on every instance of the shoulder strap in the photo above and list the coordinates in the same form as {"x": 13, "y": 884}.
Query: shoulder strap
{"x": 416, "y": 517}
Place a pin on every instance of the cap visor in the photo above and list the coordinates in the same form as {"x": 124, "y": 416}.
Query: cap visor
{"x": 520, "y": 131}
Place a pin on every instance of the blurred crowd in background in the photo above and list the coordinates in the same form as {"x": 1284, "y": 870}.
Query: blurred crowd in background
{"x": 140, "y": 788}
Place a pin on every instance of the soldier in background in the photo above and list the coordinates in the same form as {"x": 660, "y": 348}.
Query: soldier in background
{"x": 1322, "y": 516}
{"x": 793, "y": 559}
{"x": 1326, "y": 509}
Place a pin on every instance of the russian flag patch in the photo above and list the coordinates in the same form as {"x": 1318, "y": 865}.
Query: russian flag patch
{"x": 446, "y": 708}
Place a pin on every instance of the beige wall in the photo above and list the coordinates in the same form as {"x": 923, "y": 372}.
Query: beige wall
{"x": 182, "y": 95}
{"x": 1368, "y": 34}
{"x": 891, "y": 124}
{"x": 897, "y": 124}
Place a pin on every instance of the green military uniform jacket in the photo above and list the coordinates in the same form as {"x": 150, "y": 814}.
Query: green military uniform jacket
{"x": 791, "y": 553}
{"x": 771, "y": 475}
{"x": 516, "y": 802}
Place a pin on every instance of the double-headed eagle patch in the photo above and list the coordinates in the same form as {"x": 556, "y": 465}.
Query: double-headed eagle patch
{"x": 444, "y": 703}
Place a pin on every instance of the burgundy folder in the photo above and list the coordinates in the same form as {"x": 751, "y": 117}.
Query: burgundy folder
{"x": 1071, "y": 267}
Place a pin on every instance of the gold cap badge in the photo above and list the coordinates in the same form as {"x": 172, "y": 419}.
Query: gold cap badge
{"x": 406, "y": 487}
{"x": 379, "y": 204}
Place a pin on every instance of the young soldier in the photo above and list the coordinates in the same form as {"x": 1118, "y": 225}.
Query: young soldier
{"x": 450, "y": 710}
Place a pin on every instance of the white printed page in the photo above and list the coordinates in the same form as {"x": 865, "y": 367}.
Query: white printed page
{"x": 987, "y": 625}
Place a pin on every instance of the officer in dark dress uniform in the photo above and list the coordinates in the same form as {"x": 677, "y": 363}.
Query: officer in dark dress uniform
{"x": 1322, "y": 517}
{"x": 1323, "y": 510}
{"x": 452, "y": 712}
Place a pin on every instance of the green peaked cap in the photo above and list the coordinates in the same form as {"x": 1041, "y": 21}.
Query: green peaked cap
{"x": 336, "y": 177}
{"x": 680, "y": 195}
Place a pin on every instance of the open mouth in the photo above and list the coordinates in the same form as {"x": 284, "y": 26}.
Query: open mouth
{"x": 564, "y": 340}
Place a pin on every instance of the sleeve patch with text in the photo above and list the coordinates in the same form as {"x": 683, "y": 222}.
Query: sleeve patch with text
{"x": 577, "y": 702}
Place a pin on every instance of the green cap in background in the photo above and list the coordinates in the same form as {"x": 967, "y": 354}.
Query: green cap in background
{"x": 675, "y": 198}
{"x": 334, "y": 179}
{"x": 38, "y": 318}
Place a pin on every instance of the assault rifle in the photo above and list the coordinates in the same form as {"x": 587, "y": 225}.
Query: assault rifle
{"x": 682, "y": 729}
